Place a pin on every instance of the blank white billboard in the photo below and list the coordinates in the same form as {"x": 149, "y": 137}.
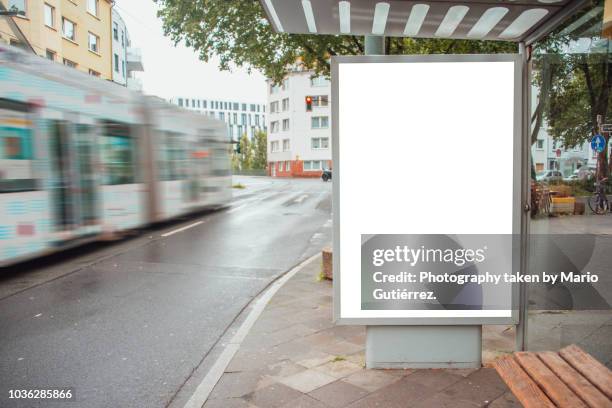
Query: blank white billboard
{"x": 421, "y": 145}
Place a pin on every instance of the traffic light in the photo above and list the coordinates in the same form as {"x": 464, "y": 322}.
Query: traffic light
{"x": 309, "y": 104}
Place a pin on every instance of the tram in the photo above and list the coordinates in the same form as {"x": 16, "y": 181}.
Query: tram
{"x": 82, "y": 158}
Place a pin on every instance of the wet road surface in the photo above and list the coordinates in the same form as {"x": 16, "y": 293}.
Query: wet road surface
{"x": 129, "y": 329}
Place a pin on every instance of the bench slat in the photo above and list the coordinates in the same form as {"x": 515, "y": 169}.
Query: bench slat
{"x": 554, "y": 388}
{"x": 593, "y": 370}
{"x": 523, "y": 387}
{"x": 574, "y": 380}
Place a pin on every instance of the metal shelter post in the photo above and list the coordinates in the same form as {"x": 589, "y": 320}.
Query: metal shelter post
{"x": 420, "y": 346}
{"x": 521, "y": 327}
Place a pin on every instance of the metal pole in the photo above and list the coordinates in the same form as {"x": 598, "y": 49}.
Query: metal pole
{"x": 521, "y": 327}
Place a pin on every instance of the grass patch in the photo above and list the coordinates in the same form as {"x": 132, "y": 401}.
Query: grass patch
{"x": 239, "y": 186}
{"x": 338, "y": 359}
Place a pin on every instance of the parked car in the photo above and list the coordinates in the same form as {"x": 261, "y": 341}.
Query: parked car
{"x": 550, "y": 176}
{"x": 572, "y": 178}
{"x": 327, "y": 175}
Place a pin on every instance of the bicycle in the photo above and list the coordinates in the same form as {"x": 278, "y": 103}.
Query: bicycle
{"x": 598, "y": 202}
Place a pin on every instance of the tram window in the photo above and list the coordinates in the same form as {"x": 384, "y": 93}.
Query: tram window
{"x": 174, "y": 157}
{"x": 118, "y": 155}
{"x": 16, "y": 151}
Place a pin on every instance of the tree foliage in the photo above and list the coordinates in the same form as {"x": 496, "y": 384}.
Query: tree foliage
{"x": 237, "y": 32}
{"x": 574, "y": 88}
{"x": 260, "y": 150}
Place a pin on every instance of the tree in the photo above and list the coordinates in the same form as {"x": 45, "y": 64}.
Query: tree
{"x": 574, "y": 90}
{"x": 260, "y": 150}
{"x": 246, "y": 153}
{"x": 238, "y": 32}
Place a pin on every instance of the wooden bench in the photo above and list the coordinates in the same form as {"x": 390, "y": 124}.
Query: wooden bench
{"x": 570, "y": 378}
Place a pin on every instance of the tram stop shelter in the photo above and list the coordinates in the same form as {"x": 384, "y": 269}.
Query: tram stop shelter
{"x": 524, "y": 22}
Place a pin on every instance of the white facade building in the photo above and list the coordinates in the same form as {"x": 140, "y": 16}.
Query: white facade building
{"x": 241, "y": 117}
{"x": 125, "y": 60}
{"x": 299, "y": 120}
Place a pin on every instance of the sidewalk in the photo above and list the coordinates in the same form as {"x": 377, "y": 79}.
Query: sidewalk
{"x": 296, "y": 357}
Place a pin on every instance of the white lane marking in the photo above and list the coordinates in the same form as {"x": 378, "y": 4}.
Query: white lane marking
{"x": 195, "y": 224}
{"x": 300, "y": 198}
{"x": 236, "y": 209}
{"x": 203, "y": 390}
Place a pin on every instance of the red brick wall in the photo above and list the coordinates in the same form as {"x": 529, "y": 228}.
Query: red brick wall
{"x": 296, "y": 169}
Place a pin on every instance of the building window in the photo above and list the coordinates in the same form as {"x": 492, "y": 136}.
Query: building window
{"x": 180, "y": 102}
{"x": 116, "y": 31}
{"x": 92, "y": 7}
{"x": 273, "y": 107}
{"x": 319, "y": 143}
{"x": 274, "y": 146}
{"x": 50, "y": 55}
{"x": 116, "y": 58}
{"x": 17, "y": 5}
{"x": 285, "y": 104}
{"x": 274, "y": 89}
{"x": 286, "y": 145}
{"x": 540, "y": 144}
{"x": 256, "y": 120}
{"x": 94, "y": 73}
{"x": 319, "y": 81}
{"x": 319, "y": 122}
{"x": 285, "y": 84}
{"x": 122, "y": 39}
{"x": 320, "y": 100}
{"x": 285, "y": 124}
{"x": 287, "y": 165}
{"x": 312, "y": 165}
{"x": 94, "y": 42}
{"x": 69, "y": 63}
{"x": 49, "y": 16}
{"x": 243, "y": 119}
{"x": 68, "y": 29}
{"x": 274, "y": 127}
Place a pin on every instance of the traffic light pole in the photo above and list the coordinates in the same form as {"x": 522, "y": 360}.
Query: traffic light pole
{"x": 426, "y": 346}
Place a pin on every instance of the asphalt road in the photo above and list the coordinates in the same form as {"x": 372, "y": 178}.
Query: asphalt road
{"x": 129, "y": 327}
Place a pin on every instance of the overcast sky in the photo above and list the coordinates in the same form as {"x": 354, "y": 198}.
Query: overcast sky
{"x": 173, "y": 71}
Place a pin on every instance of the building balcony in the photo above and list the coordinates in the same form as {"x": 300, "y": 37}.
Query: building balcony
{"x": 134, "y": 60}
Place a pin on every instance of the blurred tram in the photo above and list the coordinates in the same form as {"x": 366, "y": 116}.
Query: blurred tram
{"x": 82, "y": 158}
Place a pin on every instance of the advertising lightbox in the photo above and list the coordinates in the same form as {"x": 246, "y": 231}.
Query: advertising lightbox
{"x": 426, "y": 173}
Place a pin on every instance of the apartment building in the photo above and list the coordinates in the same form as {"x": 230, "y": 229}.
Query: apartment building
{"x": 299, "y": 119}
{"x": 76, "y": 33}
{"x": 126, "y": 60}
{"x": 241, "y": 117}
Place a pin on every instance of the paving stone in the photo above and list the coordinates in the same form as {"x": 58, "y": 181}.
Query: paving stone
{"x": 307, "y": 381}
{"x": 357, "y": 358}
{"x": 444, "y": 401}
{"x": 305, "y": 401}
{"x": 338, "y": 394}
{"x": 507, "y": 400}
{"x": 227, "y": 403}
{"x": 315, "y": 358}
{"x": 475, "y": 392}
{"x": 339, "y": 348}
{"x": 283, "y": 369}
{"x": 488, "y": 376}
{"x": 275, "y": 395}
{"x": 371, "y": 380}
{"x": 339, "y": 368}
{"x": 436, "y": 379}
{"x": 236, "y": 384}
{"x": 400, "y": 394}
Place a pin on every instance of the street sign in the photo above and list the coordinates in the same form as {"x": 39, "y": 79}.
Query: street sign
{"x": 598, "y": 143}
{"x": 412, "y": 246}
{"x": 606, "y": 127}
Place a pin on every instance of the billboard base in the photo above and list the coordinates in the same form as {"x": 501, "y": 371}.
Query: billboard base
{"x": 423, "y": 346}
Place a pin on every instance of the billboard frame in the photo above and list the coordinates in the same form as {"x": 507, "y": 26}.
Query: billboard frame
{"x": 518, "y": 213}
